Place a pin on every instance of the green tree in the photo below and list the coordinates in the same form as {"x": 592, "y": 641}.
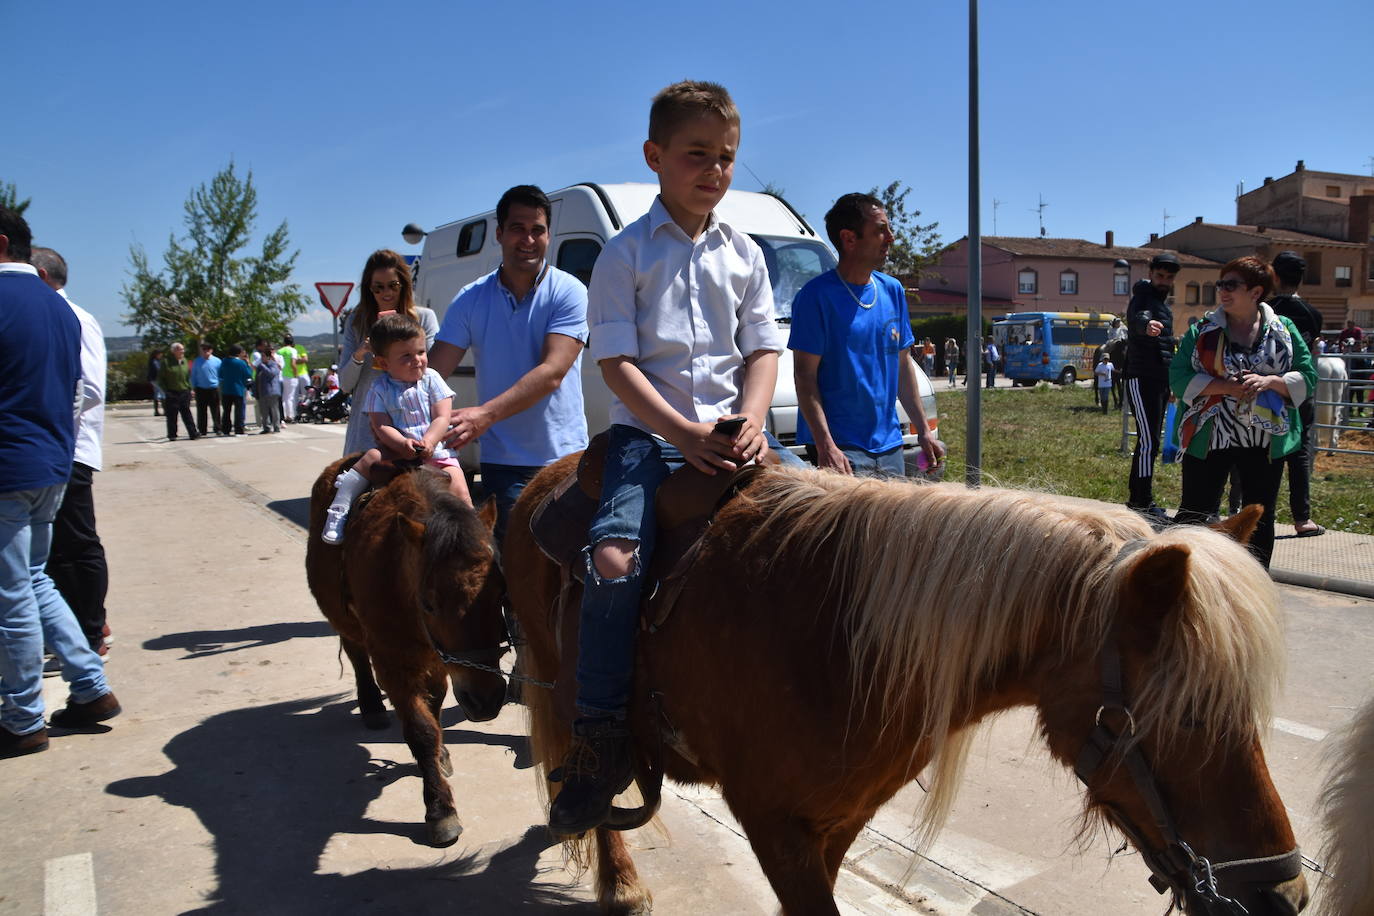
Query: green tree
{"x": 914, "y": 247}
{"x": 206, "y": 290}
{"x": 9, "y": 198}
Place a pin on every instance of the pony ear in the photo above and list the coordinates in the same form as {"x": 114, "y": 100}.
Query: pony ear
{"x": 1153, "y": 590}
{"x": 1243, "y": 524}
{"x": 488, "y": 513}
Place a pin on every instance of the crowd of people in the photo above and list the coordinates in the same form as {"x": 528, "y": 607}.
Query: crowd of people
{"x": 278, "y": 379}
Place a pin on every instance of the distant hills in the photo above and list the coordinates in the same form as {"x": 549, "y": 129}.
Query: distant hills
{"x": 315, "y": 345}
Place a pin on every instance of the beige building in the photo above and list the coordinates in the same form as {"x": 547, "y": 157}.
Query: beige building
{"x": 1337, "y": 271}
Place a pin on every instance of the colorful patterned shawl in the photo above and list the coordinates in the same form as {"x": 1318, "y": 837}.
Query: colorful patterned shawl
{"x": 1272, "y": 355}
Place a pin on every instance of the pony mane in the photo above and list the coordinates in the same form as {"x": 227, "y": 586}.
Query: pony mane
{"x": 1348, "y": 815}
{"x": 452, "y": 527}
{"x": 923, "y": 617}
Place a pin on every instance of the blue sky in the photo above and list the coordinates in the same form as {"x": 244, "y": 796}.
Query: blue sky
{"x": 356, "y": 118}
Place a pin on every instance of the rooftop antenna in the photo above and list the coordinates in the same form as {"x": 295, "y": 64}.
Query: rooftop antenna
{"x": 1164, "y": 224}
{"x": 1371, "y": 165}
{"x": 1041, "y": 211}
{"x": 995, "y": 204}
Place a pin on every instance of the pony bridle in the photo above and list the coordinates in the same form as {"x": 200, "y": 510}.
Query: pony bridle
{"x": 1176, "y": 867}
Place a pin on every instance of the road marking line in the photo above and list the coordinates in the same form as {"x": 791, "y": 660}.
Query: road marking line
{"x": 316, "y": 448}
{"x": 69, "y": 886}
{"x": 1297, "y": 728}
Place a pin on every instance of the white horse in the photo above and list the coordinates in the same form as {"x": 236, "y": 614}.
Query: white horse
{"x": 1333, "y": 380}
{"x": 1348, "y": 802}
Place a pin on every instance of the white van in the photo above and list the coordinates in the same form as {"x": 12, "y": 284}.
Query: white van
{"x": 584, "y": 218}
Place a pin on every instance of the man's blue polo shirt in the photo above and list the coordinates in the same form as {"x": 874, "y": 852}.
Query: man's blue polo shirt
{"x": 40, "y": 346}
{"x": 507, "y": 340}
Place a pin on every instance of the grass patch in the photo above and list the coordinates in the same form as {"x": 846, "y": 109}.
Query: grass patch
{"x": 1055, "y": 439}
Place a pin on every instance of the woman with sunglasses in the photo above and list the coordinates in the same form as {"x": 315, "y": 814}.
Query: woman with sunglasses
{"x": 386, "y": 289}
{"x": 1240, "y": 374}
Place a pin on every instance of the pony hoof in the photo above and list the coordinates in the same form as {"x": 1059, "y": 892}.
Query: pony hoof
{"x": 628, "y": 901}
{"x": 376, "y": 721}
{"x": 445, "y": 831}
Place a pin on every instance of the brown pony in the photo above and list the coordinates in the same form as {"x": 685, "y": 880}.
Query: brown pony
{"x": 837, "y": 635}
{"x": 416, "y": 579}
{"x": 1348, "y": 809}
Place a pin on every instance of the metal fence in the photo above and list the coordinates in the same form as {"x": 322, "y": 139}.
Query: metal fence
{"x": 1352, "y": 403}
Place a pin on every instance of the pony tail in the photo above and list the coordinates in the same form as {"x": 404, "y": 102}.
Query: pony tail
{"x": 1348, "y": 815}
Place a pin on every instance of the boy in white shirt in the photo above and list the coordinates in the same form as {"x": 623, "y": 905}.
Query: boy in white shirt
{"x": 680, "y": 309}
{"x": 1104, "y": 372}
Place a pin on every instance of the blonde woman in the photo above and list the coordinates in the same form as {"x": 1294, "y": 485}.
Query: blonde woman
{"x": 386, "y": 289}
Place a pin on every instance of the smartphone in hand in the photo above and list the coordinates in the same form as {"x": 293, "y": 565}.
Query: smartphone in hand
{"x": 729, "y": 427}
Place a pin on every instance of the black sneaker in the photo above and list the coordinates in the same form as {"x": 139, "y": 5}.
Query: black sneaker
{"x": 596, "y": 770}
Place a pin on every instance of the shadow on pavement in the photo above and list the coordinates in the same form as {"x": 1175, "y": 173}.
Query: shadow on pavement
{"x": 200, "y": 643}
{"x": 274, "y": 784}
{"x": 296, "y": 511}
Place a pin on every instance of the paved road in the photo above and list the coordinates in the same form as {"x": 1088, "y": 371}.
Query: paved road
{"x": 239, "y": 781}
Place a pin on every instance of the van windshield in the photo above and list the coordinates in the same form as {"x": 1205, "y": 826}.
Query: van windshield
{"x": 791, "y": 264}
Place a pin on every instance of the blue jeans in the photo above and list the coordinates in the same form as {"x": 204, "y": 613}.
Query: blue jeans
{"x": 636, "y": 464}
{"x": 891, "y": 463}
{"x": 505, "y": 482}
{"x": 32, "y": 612}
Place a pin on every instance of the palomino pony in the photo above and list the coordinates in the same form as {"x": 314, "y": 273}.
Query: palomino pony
{"x": 1348, "y": 803}
{"x": 837, "y": 635}
{"x": 415, "y": 594}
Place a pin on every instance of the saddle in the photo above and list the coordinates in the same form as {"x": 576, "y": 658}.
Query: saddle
{"x": 684, "y": 505}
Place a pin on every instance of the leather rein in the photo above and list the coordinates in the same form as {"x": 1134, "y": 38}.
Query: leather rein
{"x": 1176, "y": 867}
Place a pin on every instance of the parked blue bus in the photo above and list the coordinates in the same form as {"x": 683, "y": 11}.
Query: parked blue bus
{"x": 1050, "y": 346}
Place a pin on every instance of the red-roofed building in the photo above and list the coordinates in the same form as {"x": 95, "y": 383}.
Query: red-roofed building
{"x": 1058, "y": 275}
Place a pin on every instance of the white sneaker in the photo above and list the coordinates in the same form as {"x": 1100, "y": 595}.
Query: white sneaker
{"x": 334, "y": 519}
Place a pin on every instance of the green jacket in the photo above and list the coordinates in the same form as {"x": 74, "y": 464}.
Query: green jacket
{"x": 174, "y": 375}
{"x": 1182, "y": 375}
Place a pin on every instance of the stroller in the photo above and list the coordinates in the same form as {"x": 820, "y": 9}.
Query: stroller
{"x": 316, "y": 408}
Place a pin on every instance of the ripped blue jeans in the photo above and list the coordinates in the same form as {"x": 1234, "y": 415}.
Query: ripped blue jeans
{"x": 636, "y": 463}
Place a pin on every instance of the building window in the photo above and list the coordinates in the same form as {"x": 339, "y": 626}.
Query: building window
{"x": 1209, "y": 294}
{"x": 1068, "y": 283}
{"x": 1121, "y": 283}
{"x": 1313, "y": 276}
{"x": 1343, "y": 276}
{"x": 1025, "y": 282}
{"x": 1371, "y": 270}
{"x": 1193, "y": 293}
{"x": 1333, "y": 190}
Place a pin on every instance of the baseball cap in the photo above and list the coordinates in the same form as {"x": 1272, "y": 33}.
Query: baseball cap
{"x": 1167, "y": 260}
{"x": 1289, "y": 262}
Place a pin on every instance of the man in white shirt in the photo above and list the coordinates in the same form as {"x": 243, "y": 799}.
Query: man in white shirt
{"x": 76, "y": 561}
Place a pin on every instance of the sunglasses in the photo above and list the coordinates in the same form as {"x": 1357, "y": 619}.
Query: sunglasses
{"x": 394, "y": 285}
{"x": 1230, "y": 285}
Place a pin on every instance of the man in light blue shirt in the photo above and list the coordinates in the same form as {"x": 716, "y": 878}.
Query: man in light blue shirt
{"x": 526, "y": 323}
{"x": 205, "y": 381}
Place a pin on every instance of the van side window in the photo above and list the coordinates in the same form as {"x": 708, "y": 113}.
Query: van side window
{"x": 577, "y": 257}
{"x": 471, "y": 237}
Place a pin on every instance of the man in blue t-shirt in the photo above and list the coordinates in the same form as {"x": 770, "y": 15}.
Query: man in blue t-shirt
{"x": 526, "y": 323}
{"x": 851, "y": 340}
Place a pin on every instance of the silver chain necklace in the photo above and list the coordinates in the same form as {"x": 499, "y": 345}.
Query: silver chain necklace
{"x": 857, "y": 299}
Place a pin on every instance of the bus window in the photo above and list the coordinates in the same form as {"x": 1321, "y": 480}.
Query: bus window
{"x": 1066, "y": 333}
{"x": 1095, "y": 335}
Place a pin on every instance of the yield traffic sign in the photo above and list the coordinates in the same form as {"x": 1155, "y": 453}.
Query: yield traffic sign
{"x": 334, "y": 295}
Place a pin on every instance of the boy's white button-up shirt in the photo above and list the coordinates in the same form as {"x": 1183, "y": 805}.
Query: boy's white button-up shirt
{"x": 686, "y": 312}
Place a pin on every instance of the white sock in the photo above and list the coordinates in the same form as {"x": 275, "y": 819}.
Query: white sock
{"x": 349, "y": 485}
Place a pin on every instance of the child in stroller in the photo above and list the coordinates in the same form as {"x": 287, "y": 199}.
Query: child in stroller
{"x": 316, "y": 407}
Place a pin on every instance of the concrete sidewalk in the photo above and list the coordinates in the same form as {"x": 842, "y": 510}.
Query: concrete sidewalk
{"x": 239, "y": 780}
{"x": 1335, "y": 561}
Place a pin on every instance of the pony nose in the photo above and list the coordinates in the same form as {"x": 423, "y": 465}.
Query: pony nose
{"x": 1286, "y": 899}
